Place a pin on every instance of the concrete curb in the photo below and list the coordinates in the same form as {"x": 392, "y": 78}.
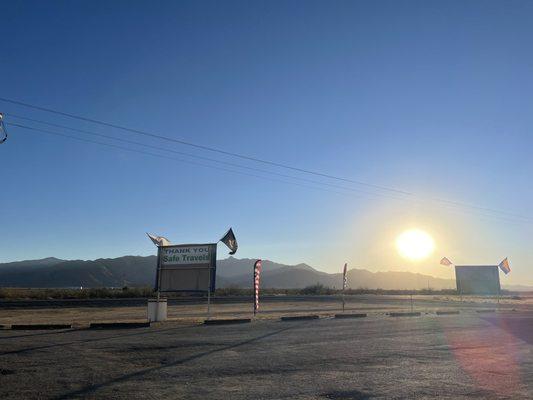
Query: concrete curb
{"x": 299, "y": 317}
{"x": 346, "y": 316}
{"x": 32, "y": 327}
{"x": 447, "y": 312}
{"x": 227, "y": 321}
{"x": 118, "y": 325}
{"x": 405, "y": 314}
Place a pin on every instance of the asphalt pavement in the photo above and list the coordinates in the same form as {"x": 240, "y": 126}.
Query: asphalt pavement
{"x": 465, "y": 356}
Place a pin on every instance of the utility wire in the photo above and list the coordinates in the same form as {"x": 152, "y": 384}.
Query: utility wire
{"x": 202, "y": 147}
{"x": 280, "y": 165}
{"x": 447, "y": 202}
{"x": 191, "y": 155}
{"x": 35, "y": 129}
{"x": 170, "y": 158}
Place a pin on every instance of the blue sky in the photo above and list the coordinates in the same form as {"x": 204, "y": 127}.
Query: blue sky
{"x": 429, "y": 97}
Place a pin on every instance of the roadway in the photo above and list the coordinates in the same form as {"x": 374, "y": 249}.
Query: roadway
{"x": 466, "y": 356}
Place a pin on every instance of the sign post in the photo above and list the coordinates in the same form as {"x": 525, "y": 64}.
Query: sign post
{"x": 209, "y": 296}
{"x": 158, "y": 283}
{"x": 157, "y": 308}
{"x": 186, "y": 268}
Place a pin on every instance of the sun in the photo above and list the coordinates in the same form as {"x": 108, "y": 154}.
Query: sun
{"x": 415, "y": 244}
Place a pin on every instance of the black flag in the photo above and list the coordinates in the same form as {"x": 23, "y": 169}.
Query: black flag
{"x": 3, "y": 132}
{"x": 230, "y": 241}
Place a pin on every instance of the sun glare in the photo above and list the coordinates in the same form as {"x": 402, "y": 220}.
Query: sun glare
{"x": 415, "y": 244}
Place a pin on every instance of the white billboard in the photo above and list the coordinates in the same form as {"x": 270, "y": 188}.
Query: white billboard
{"x": 187, "y": 268}
{"x": 195, "y": 254}
{"x": 477, "y": 279}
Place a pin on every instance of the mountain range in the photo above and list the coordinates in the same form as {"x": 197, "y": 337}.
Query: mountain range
{"x": 231, "y": 272}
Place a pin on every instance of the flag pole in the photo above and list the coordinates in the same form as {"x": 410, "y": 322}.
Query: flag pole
{"x": 411, "y": 296}
{"x": 158, "y": 282}
{"x": 452, "y": 276}
{"x": 499, "y": 289}
{"x": 253, "y": 289}
{"x": 209, "y": 294}
{"x": 344, "y": 282}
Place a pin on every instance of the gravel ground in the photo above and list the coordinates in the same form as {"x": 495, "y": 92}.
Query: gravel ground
{"x": 471, "y": 355}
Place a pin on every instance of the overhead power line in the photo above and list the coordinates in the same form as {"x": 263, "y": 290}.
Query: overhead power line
{"x": 181, "y": 160}
{"x": 169, "y": 150}
{"x": 271, "y": 163}
{"x": 58, "y": 134}
{"x": 203, "y": 147}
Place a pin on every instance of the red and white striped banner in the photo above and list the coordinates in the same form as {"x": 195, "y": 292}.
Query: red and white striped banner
{"x": 257, "y": 274}
{"x": 345, "y": 276}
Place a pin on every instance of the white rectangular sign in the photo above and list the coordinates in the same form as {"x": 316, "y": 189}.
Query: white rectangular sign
{"x": 186, "y": 255}
{"x": 187, "y": 268}
{"x": 477, "y": 279}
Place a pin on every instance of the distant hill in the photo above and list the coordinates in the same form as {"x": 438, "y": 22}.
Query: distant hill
{"x": 31, "y": 263}
{"x": 52, "y": 272}
{"x": 302, "y": 275}
{"x": 233, "y": 267}
{"x": 231, "y": 272}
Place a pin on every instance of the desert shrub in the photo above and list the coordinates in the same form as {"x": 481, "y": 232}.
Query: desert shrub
{"x": 317, "y": 289}
{"x": 233, "y": 291}
{"x": 87, "y": 293}
{"x": 146, "y": 292}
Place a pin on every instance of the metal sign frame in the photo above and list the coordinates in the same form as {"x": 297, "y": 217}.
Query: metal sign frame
{"x": 211, "y": 268}
{"x": 465, "y": 287}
